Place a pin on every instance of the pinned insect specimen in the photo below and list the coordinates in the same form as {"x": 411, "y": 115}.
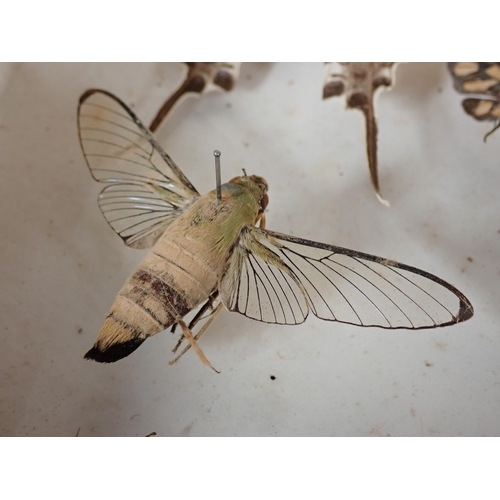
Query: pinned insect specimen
{"x": 483, "y": 80}
{"x": 359, "y": 82}
{"x": 207, "y": 251}
{"x": 202, "y": 77}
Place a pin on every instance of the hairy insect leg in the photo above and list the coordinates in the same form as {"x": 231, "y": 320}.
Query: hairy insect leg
{"x": 198, "y": 317}
{"x": 199, "y": 334}
{"x": 192, "y": 342}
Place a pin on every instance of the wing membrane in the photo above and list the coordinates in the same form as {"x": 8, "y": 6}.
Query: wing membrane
{"x": 289, "y": 276}
{"x": 148, "y": 191}
{"x": 260, "y": 286}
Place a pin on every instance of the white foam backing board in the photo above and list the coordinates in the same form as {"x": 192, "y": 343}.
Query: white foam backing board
{"x": 61, "y": 264}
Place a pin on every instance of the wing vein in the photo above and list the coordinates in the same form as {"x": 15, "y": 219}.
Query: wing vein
{"x": 307, "y": 278}
{"x": 272, "y": 287}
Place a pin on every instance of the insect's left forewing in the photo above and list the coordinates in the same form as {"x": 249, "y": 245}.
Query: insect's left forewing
{"x": 336, "y": 284}
{"x": 148, "y": 191}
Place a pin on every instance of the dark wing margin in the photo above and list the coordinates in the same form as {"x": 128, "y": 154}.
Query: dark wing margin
{"x": 276, "y": 278}
{"x": 148, "y": 191}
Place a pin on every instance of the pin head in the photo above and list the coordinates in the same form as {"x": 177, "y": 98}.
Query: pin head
{"x": 217, "y": 154}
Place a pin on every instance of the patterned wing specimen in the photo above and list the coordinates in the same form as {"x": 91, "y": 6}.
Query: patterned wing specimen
{"x": 483, "y": 80}
{"x": 359, "y": 83}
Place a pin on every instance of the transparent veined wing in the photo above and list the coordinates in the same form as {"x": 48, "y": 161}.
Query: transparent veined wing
{"x": 276, "y": 278}
{"x": 258, "y": 284}
{"x": 148, "y": 191}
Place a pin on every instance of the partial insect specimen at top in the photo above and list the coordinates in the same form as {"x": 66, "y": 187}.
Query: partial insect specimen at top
{"x": 201, "y": 77}
{"x": 359, "y": 82}
{"x": 481, "y": 80}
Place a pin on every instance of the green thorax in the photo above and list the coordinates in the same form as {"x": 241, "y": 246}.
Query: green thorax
{"x": 213, "y": 227}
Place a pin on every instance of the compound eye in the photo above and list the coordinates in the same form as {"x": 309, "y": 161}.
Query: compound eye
{"x": 264, "y": 201}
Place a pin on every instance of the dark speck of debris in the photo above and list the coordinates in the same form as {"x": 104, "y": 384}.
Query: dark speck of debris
{"x": 80, "y": 330}
{"x": 273, "y": 377}
{"x": 428, "y": 364}
{"x": 470, "y": 259}
{"x": 152, "y": 434}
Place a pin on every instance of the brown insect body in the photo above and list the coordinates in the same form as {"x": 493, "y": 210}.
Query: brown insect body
{"x": 181, "y": 271}
{"x": 359, "y": 82}
{"x": 206, "y": 252}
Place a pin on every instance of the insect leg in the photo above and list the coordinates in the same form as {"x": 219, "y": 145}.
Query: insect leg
{"x": 198, "y": 317}
{"x": 201, "y": 312}
{"x": 497, "y": 125}
{"x": 262, "y": 219}
{"x": 200, "y": 333}
{"x": 192, "y": 340}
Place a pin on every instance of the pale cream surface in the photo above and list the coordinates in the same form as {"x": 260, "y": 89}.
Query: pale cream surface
{"x": 62, "y": 265}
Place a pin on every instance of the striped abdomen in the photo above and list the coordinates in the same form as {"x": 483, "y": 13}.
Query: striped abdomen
{"x": 169, "y": 283}
{"x": 181, "y": 270}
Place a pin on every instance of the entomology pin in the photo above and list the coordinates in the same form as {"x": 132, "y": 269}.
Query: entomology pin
{"x": 217, "y": 154}
{"x": 207, "y": 252}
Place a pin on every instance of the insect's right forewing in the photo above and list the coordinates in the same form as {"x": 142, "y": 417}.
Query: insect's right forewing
{"x": 280, "y": 273}
{"x": 148, "y": 191}
{"x": 259, "y": 285}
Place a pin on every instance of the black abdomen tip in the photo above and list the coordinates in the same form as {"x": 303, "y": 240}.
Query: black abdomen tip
{"x": 114, "y": 352}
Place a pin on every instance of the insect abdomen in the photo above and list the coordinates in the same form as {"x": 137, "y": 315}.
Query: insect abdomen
{"x": 180, "y": 272}
{"x": 145, "y": 305}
